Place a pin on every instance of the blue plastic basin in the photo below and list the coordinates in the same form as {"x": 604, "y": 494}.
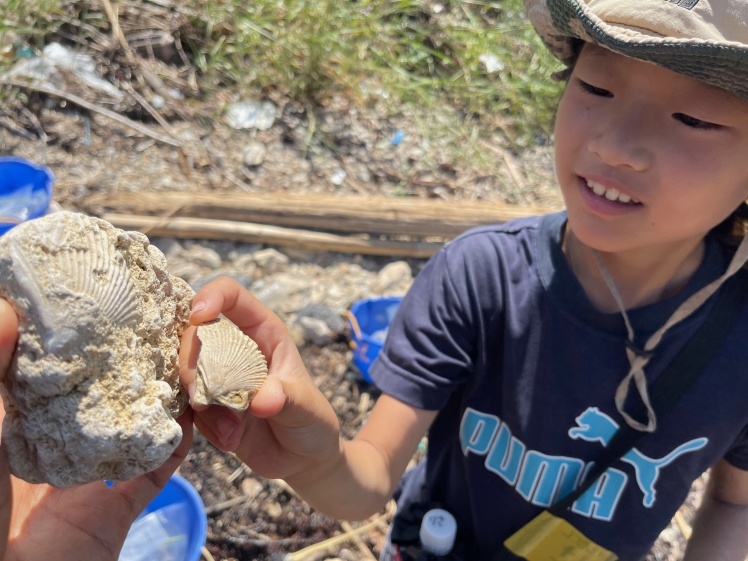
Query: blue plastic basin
{"x": 368, "y": 320}
{"x": 25, "y": 191}
{"x": 173, "y": 526}
{"x": 179, "y": 490}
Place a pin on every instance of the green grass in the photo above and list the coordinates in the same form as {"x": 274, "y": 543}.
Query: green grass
{"x": 418, "y": 58}
{"x": 27, "y": 19}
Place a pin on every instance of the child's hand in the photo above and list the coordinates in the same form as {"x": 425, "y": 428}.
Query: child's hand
{"x": 289, "y": 426}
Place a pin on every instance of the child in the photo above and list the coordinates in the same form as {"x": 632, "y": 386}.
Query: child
{"x": 522, "y": 347}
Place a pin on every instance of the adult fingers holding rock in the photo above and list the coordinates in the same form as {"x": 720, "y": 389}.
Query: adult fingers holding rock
{"x": 8, "y": 338}
{"x": 8, "y": 334}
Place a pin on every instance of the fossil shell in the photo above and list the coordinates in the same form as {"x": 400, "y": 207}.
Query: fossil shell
{"x": 230, "y": 366}
{"x": 94, "y": 386}
{"x": 81, "y": 261}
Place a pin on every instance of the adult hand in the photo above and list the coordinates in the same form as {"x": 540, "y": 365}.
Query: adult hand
{"x": 90, "y": 521}
{"x": 289, "y": 426}
{"x": 8, "y": 337}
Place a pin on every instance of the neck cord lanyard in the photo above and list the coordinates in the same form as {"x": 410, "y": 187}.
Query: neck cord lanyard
{"x": 639, "y": 358}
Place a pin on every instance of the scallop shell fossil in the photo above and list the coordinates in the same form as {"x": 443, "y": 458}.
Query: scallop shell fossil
{"x": 94, "y": 387}
{"x": 88, "y": 267}
{"x": 230, "y": 367}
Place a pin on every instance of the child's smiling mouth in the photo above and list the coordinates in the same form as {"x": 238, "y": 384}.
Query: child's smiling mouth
{"x": 609, "y": 193}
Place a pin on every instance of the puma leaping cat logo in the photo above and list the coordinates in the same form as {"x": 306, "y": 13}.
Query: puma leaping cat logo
{"x": 595, "y": 426}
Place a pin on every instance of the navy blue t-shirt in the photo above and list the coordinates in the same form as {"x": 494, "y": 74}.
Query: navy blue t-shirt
{"x": 498, "y": 335}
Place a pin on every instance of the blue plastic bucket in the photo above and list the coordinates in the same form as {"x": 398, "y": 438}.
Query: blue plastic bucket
{"x": 25, "y": 191}
{"x": 368, "y": 320}
{"x": 173, "y": 526}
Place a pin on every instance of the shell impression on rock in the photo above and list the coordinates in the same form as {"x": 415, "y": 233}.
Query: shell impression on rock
{"x": 230, "y": 367}
{"x": 94, "y": 385}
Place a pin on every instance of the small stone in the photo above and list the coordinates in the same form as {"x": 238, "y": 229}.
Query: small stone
{"x": 273, "y": 510}
{"x": 251, "y": 114}
{"x": 254, "y": 153}
{"x": 270, "y": 260}
{"x": 394, "y": 279}
{"x": 338, "y": 176}
{"x": 315, "y": 330}
{"x": 158, "y": 101}
{"x": 204, "y": 256}
{"x": 252, "y": 488}
{"x": 326, "y": 314}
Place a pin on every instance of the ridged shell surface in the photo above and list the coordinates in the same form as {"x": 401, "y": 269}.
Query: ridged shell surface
{"x": 94, "y": 388}
{"x": 79, "y": 263}
{"x": 230, "y": 367}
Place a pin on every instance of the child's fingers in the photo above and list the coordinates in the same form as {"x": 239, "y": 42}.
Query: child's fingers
{"x": 221, "y": 426}
{"x": 226, "y": 296}
{"x": 270, "y": 399}
{"x": 8, "y": 335}
{"x": 188, "y": 351}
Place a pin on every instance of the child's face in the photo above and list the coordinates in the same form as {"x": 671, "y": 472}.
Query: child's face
{"x": 647, "y": 158}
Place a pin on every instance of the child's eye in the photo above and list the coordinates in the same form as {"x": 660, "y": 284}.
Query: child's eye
{"x": 694, "y": 123}
{"x": 594, "y": 90}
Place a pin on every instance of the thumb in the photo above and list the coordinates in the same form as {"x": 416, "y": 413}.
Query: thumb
{"x": 6, "y": 501}
{"x": 8, "y": 335}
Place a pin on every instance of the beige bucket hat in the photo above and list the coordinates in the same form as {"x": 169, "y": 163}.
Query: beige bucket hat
{"x": 703, "y": 39}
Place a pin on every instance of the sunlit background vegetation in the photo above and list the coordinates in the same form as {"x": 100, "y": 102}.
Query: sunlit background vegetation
{"x": 480, "y": 59}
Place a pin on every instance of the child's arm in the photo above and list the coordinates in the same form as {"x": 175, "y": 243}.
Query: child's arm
{"x": 370, "y": 466}
{"x": 720, "y": 532}
{"x": 290, "y": 431}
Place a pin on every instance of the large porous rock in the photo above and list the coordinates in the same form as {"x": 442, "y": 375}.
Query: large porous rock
{"x": 94, "y": 388}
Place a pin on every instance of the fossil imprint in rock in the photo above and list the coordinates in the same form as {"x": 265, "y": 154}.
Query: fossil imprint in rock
{"x": 94, "y": 386}
{"x": 93, "y": 389}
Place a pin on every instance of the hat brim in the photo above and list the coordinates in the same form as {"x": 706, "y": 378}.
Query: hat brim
{"x": 560, "y": 23}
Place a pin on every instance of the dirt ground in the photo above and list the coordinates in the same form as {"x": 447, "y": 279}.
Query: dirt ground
{"x": 339, "y": 147}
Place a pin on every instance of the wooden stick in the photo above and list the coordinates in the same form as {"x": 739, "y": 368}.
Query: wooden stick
{"x": 360, "y": 545}
{"x": 202, "y": 228}
{"x": 149, "y": 77}
{"x": 683, "y": 526}
{"x": 220, "y": 507}
{"x": 353, "y": 214}
{"x": 305, "y": 553}
{"x": 119, "y": 36}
